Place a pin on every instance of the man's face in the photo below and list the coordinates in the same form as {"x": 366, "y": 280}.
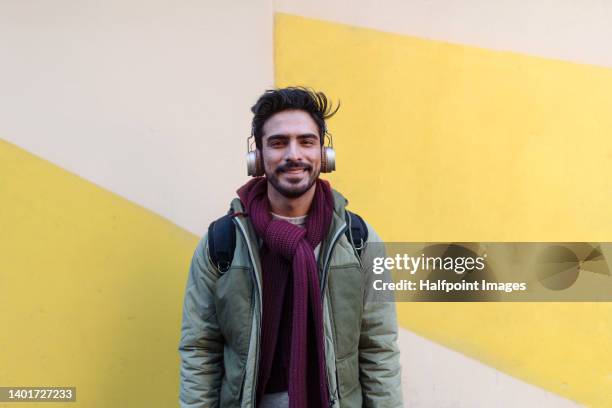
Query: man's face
{"x": 291, "y": 151}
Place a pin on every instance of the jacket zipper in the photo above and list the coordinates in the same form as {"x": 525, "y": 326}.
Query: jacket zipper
{"x": 259, "y": 290}
{"x": 328, "y": 258}
{"x": 335, "y": 239}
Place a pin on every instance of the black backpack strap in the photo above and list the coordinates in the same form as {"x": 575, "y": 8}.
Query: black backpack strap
{"x": 222, "y": 242}
{"x": 357, "y": 234}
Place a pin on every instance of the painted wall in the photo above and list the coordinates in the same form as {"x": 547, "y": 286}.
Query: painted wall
{"x": 458, "y": 143}
{"x": 556, "y": 29}
{"x": 149, "y": 99}
{"x": 123, "y": 129}
{"x": 120, "y": 123}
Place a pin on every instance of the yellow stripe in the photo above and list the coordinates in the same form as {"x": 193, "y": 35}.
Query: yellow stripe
{"x": 91, "y": 288}
{"x": 443, "y": 142}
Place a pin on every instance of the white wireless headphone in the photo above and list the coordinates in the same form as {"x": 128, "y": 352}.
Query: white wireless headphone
{"x": 255, "y": 162}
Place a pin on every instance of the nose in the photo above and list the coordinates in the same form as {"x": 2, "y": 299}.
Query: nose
{"x": 293, "y": 152}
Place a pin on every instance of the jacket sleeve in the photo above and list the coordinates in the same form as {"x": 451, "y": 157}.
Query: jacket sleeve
{"x": 379, "y": 367}
{"x": 201, "y": 344}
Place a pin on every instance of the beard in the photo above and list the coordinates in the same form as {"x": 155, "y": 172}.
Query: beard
{"x": 287, "y": 188}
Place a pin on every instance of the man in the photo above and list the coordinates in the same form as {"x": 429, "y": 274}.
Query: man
{"x": 287, "y": 323}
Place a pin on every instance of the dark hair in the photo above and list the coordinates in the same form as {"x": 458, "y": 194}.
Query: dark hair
{"x": 278, "y": 100}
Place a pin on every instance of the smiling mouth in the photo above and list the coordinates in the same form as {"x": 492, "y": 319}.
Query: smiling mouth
{"x": 294, "y": 171}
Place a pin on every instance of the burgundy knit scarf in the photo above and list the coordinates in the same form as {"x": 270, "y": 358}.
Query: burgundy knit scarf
{"x": 290, "y": 272}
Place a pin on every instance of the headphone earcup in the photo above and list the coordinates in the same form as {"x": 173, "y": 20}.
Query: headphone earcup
{"x": 254, "y": 165}
{"x": 328, "y": 160}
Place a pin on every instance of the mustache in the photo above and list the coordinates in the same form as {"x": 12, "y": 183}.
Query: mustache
{"x": 292, "y": 166}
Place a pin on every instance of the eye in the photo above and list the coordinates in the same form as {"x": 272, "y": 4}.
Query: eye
{"x": 276, "y": 143}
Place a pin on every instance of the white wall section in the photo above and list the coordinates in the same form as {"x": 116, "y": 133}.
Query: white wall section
{"x": 149, "y": 99}
{"x": 577, "y": 31}
{"x": 435, "y": 376}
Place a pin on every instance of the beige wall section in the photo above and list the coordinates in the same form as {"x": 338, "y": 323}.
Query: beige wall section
{"x": 435, "y": 376}
{"x": 149, "y": 99}
{"x": 570, "y": 30}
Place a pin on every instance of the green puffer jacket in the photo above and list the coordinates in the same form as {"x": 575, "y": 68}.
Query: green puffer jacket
{"x": 219, "y": 346}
